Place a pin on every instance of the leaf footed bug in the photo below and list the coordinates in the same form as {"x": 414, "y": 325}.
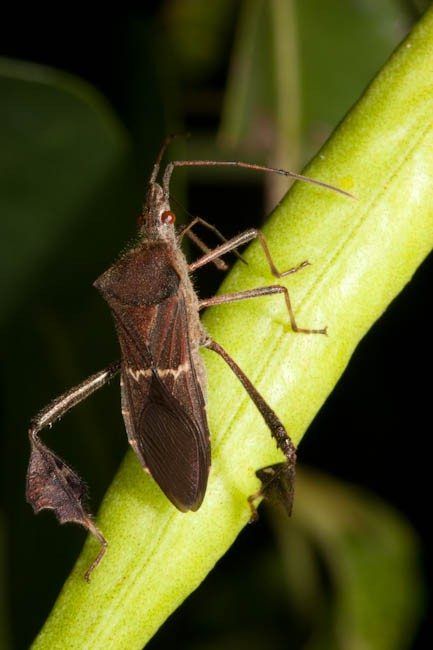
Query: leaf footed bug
{"x": 156, "y": 316}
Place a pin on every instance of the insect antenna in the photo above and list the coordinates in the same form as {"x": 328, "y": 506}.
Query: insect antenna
{"x": 235, "y": 163}
{"x": 166, "y": 142}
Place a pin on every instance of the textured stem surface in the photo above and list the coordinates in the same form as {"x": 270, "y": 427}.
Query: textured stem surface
{"x": 362, "y": 252}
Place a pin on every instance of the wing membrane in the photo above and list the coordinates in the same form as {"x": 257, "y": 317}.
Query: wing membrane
{"x": 162, "y": 400}
{"x": 173, "y": 447}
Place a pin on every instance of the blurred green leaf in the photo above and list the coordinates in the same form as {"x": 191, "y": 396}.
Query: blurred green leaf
{"x": 247, "y": 113}
{"x": 60, "y": 143}
{"x": 341, "y": 46}
{"x": 338, "y": 48}
{"x": 286, "y": 145}
{"x": 199, "y": 32}
{"x": 4, "y": 613}
{"x": 262, "y": 106}
{"x": 371, "y": 558}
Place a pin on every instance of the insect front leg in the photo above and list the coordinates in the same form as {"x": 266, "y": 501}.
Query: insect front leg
{"x": 239, "y": 240}
{"x": 51, "y": 483}
{"x": 277, "y": 480}
{"x": 187, "y": 230}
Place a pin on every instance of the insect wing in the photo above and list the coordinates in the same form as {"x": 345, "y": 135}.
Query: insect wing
{"x": 162, "y": 401}
{"x": 173, "y": 447}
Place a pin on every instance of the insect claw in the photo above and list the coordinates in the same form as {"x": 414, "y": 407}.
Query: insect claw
{"x": 254, "y": 512}
{"x": 104, "y": 545}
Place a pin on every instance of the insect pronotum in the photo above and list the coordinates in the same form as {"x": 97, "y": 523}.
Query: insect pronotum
{"x": 156, "y": 315}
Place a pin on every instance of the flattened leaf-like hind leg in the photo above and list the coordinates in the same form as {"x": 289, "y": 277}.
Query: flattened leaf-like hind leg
{"x": 51, "y": 483}
{"x": 277, "y": 480}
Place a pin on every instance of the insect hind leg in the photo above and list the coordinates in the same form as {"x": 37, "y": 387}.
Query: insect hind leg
{"x": 278, "y": 481}
{"x": 51, "y": 483}
{"x": 278, "y": 484}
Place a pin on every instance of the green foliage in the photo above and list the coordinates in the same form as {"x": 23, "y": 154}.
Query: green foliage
{"x": 200, "y": 33}
{"x": 311, "y": 77}
{"x": 369, "y": 554}
{"x": 52, "y": 125}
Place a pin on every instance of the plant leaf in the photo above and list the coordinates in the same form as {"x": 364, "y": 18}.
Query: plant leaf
{"x": 303, "y": 57}
{"x": 371, "y": 557}
{"x": 60, "y": 143}
{"x": 341, "y": 46}
{"x": 199, "y": 33}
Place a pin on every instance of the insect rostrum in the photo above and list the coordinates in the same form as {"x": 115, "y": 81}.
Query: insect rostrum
{"x": 163, "y": 379}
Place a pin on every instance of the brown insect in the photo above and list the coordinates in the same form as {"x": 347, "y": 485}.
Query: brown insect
{"x": 156, "y": 315}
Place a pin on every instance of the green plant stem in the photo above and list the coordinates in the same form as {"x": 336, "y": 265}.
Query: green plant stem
{"x": 362, "y": 252}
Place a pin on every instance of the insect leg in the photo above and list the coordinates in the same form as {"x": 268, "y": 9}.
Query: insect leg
{"x": 51, "y": 483}
{"x": 279, "y": 479}
{"x": 186, "y": 230}
{"x": 257, "y": 293}
{"x": 239, "y": 240}
{"x": 222, "y": 249}
{"x": 202, "y": 222}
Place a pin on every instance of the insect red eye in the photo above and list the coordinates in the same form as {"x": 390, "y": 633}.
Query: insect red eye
{"x": 168, "y": 217}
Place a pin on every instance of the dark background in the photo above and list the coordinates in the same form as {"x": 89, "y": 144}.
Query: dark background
{"x": 373, "y": 431}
